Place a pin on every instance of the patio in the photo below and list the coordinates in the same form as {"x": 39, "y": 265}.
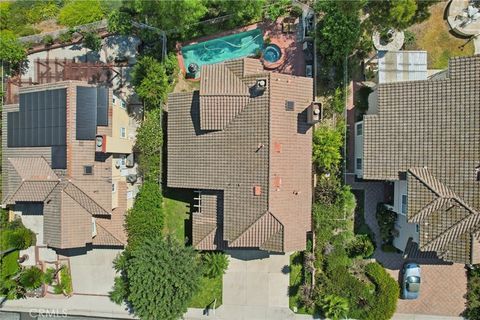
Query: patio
{"x": 286, "y": 32}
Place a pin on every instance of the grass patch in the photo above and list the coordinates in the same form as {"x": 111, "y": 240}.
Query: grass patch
{"x": 176, "y": 205}
{"x": 210, "y": 289}
{"x": 433, "y": 36}
{"x": 9, "y": 265}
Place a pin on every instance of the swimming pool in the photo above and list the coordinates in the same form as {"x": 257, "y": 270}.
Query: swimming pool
{"x": 234, "y": 46}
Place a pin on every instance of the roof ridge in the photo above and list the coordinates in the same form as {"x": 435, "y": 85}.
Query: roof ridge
{"x": 467, "y": 224}
{"x": 99, "y": 223}
{"x": 86, "y": 195}
{"x": 431, "y": 207}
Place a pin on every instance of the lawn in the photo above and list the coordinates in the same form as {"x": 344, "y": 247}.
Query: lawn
{"x": 296, "y": 280}
{"x": 177, "y": 208}
{"x": 210, "y": 289}
{"x": 433, "y": 36}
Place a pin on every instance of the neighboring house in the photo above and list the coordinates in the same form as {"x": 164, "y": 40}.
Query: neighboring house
{"x": 242, "y": 142}
{"x": 424, "y": 136}
{"x": 68, "y": 165}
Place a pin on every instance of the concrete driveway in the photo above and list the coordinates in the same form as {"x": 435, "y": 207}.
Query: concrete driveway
{"x": 93, "y": 273}
{"x": 255, "y": 286}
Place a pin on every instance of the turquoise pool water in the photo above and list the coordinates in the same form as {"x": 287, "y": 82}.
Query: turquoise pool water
{"x": 234, "y": 46}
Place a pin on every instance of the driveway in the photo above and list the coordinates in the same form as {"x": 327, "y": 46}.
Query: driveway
{"x": 93, "y": 273}
{"x": 255, "y": 286}
{"x": 443, "y": 284}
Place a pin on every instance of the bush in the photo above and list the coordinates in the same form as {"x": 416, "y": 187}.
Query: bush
{"x": 145, "y": 219}
{"x": 78, "y": 12}
{"x": 386, "y": 222}
{"x": 215, "y": 264}
{"x": 410, "y": 39}
{"x": 277, "y": 9}
{"x": 20, "y": 238}
{"x": 65, "y": 284}
{"x": 49, "y": 276}
{"x": 328, "y": 189}
{"x": 47, "y": 40}
{"x": 148, "y": 144}
{"x": 92, "y": 41}
{"x": 31, "y": 278}
{"x": 360, "y": 246}
{"x": 327, "y": 143}
{"x": 334, "y": 307}
{"x": 472, "y": 311}
{"x": 11, "y": 50}
{"x": 386, "y": 292}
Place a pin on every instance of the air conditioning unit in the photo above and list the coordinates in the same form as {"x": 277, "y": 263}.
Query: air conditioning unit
{"x": 130, "y": 160}
{"x": 100, "y": 143}
{"x": 314, "y": 113}
{"x": 132, "y": 178}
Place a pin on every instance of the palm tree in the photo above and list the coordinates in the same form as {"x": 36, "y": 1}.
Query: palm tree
{"x": 31, "y": 278}
{"x": 335, "y": 307}
{"x": 215, "y": 264}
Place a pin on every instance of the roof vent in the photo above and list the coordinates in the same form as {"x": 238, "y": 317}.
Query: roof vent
{"x": 289, "y": 105}
{"x": 257, "y": 190}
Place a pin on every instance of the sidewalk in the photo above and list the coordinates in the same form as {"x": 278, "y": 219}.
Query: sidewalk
{"x": 91, "y": 306}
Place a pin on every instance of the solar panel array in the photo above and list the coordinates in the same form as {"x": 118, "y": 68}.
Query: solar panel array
{"x": 40, "y": 121}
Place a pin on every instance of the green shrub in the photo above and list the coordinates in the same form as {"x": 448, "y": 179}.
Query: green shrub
{"x": 410, "y": 39}
{"x": 386, "y": 292}
{"x": 328, "y": 189}
{"x": 92, "y": 41}
{"x": 47, "y": 40}
{"x": 49, "y": 276}
{"x": 20, "y": 238}
{"x": 215, "y": 264}
{"x": 337, "y": 259}
{"x": 472, "y": 311}
{"x": 327, "y": 143}
{"x": 148, "y": 144}
{"x": 277, "y": 8}
{"x": 11, "y": 50}
{"x": 3, "y": 218}
{"x": 67, "y": 36}
{"x": 31, "y": 278}
{"x": 146, "y": 218}
{"x": 78, "y": 12}
{"x": 386, "y": 222}
{"x": 360, "y": 246}
{"x": 334, "y": 307}
{"x": 65, "y": 284}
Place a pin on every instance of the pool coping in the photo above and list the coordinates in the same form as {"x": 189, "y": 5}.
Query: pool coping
{"x": 179, "y": 45}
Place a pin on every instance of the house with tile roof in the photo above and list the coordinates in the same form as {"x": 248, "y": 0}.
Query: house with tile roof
{"x": 243, "y": 142}
{"x": 424, "y": 136}
{"x": 68, "y": 167}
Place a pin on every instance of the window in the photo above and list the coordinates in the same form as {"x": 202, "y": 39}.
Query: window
{"x": 359, "y": 164}
{"x": 359, "y": 129}
{"x": 114, "y": 187}
{"x": 87, "y": 170}
{"x": 113, "y": 101}
{"x": 123, "y": 105}
{"x": 123, "y": 132}
{"x": 404, "y": 203}
{"x": 289, "y": 105}
{"x": 417, "y": 228}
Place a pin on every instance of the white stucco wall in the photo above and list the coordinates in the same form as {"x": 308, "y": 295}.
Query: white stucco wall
{"x": 400, "y": 188}
{"x": 406, "y": 230}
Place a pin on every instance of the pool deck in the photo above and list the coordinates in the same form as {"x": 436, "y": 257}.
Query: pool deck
{"x": 289, "y": 43}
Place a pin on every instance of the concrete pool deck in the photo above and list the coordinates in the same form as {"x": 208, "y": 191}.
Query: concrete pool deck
{"x": 290, "y": 43}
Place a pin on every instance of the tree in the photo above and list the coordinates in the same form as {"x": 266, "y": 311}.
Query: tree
{"x": 145, "y": 219}
{"x": 151, "y": 82}
{"x": 78, "y": 12}
{"x": 12, "y": 52}
{"x": 402, "y": 12}
{"x": 180, "y": 16}
{"x": 215, "y": 264}
{"x": 338, "y": 31}
{"x": 327, "y": 143}
{"x": 159, "y": 279}
{"x": 120, "y": 22}
{"x": 31, "y": 278}
{"x": 149, "y": 146}
{"x": 277, "y": 8}
{"x": 92, "y": 41}
{"x": 335, "y": 307}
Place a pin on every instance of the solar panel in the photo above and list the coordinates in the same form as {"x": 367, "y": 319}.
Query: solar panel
{"x": 86, "y": 113}
{"x": 59, "y": 157}
{"x": 102, "y": 106}
{"x": 40, "y": 121}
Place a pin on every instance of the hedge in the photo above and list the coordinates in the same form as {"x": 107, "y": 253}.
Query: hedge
{"x": 386, "y": 293}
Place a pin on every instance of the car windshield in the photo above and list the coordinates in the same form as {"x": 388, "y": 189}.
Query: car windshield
{"x": 413, "y": 284}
